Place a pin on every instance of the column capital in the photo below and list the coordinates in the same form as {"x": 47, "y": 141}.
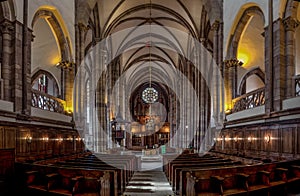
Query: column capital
{"x": 215, "y": 26}
{"x": 233, "y": 63}
{"x": 290, "y": 23}
{"x": 67, "y": 65}
{"x": 6, "y": 27}
{"x": 82, "y": 27}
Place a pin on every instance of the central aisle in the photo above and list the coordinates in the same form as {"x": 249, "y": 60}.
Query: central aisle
{"x": 149, "y": 182}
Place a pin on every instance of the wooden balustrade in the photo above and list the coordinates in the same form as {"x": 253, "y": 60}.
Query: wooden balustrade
{"x": 47, "y": 102}
{"x": 249, "y": 100}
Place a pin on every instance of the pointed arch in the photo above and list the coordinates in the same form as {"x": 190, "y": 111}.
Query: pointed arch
{"x": 54, "y": 19}
{"x": 238, "y": 30}
{"x": 256, "y": 71}
{"x": 41, "y": 72}
{"x": 290, "y": 8}
{"x": 7, "y": 10}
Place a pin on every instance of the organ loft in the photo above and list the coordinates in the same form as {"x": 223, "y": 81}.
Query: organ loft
{"x": 149, "y": 97}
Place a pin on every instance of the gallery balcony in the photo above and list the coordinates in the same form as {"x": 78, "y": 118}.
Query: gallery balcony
{"x": 249, "y": 100}
{"x": 45, "y": 106}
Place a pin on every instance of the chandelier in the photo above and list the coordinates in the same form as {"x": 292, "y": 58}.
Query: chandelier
{"x": 150, "y": 94}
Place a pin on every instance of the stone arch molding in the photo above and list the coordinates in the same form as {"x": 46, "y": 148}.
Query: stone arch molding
{"x": 291, "y": 7}
{"x": 7, "y": 10}
{"x": 49, "y": 75}
{"x": 240, "y": 27}
{"x": 63, "y": 39}
{"x": 256, "y": 71}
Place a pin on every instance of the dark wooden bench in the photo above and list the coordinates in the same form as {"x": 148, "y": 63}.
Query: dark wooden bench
{"x": 45, "y": 178}
{"x": 123, "y": 164}
{"x": 265, "y": 179}
{"x": 177, "y": 167}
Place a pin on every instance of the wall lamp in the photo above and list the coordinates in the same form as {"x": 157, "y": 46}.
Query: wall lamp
{"x": 236, "y": 139}
{"x": 28, "y": 139}
{"x": 268, "y": 138}
{"x": 46, "y": 139}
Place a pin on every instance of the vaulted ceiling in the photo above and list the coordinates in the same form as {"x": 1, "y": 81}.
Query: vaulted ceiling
{"x": 159, "y": 31}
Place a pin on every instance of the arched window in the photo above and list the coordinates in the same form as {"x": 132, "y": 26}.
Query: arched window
{"x": 44, "y": 82}
{"x": 252, "y": 80}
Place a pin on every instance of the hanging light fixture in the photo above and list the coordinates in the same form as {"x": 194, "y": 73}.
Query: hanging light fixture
{"x": 150, "y": 94}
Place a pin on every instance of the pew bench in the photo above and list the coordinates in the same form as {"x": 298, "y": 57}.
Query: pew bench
{"x": 63, "y": 185}
{"x": 266, "y": 180}
{"x": 37, "y": 181}
{"x": 293, "y": 179}
{"x": 55, "y": 183}
{"x": 178, "y": 182}
{"x": 235, "y": 184}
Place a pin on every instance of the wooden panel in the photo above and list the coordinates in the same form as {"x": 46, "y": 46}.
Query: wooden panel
{"x": 23, "y": 146}
{"x": 266, "y": 146}
{"x": 298, "y": 140}
{"x": 7, "y": 159}
{"x": 287, "y": 137}
{"x": 275, "y": 141}
{"x": 10, "y": 138}
{"x": 1, "y": 137}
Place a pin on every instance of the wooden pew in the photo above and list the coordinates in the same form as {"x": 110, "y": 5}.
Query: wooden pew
{"x": 265, "y": 179}
{"x": 174, "y": 165}
{"x": 180, "y": 170}
{"x": 122, "y": 178}
{"x": 44, "y": 178}
{"x": 124, "y": 164}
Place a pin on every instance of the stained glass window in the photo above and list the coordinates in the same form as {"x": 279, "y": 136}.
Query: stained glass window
{"x": 45, "y": 82}
{"x": 150, "y": 95}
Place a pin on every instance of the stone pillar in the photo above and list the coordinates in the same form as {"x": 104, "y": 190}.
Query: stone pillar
{"x": 269, "y": 69}
{"x": 80, "y": 31}
{"x": 230, "y": 75}
{"x": 279, "y": 66}
{"x": 101, "y": 104}
{"x": 216, "y": 76}
{"x": 290, "y": 25}
{"x": 7, "y": 31}
{"x": 26, "y": 62}
{"x": 221, "y": 67}
{"x": 67, "y": 83}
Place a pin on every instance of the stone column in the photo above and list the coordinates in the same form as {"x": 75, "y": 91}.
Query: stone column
{"x": 7, "y": 31}
{"x": 26, "y": 56}
{"x": 80, "y": 31}
{"x": 279, "y": 66}
{"x": 101, "y": 104}
{"x": 230, "y": 75}
{"x": 216, "y": 85}
{"x": 269, "y": 69}
{"x": 221, "y": 67}
{"x": 290, "y": 24}
{"x": 67, "y": 83}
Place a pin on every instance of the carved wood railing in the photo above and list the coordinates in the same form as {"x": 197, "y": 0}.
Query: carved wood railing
{"x": 47, "y": 102}
{"x": 249, "y": 100}
{"x": 297, "y": 85}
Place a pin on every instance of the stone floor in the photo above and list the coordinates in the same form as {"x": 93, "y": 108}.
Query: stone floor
{"x": 151, "y": 180}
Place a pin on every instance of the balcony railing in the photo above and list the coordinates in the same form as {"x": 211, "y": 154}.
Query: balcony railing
{"x": 47, "y": 102}
{"x": 297, "y": 85}
{"x": 249, "y": 100}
